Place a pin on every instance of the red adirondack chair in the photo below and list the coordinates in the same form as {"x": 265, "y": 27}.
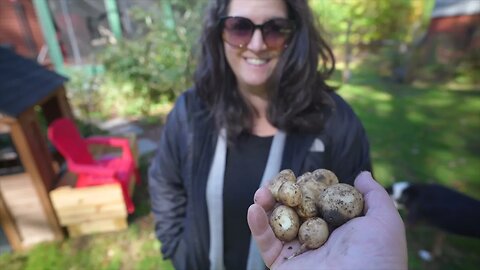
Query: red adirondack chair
{"x": 90, "y": 171}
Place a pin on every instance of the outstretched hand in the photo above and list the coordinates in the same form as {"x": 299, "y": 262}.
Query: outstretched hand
{"x": 373, "y": 241}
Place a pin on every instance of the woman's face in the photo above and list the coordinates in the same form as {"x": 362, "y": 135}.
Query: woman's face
{"x": 254, "y": 62}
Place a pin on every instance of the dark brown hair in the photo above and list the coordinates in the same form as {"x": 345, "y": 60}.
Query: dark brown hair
{"x": 297, "y": 92}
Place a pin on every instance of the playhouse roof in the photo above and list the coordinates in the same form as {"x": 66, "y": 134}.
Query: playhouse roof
{"x": 24, "y": 83}
{"x": 448, "y": 8}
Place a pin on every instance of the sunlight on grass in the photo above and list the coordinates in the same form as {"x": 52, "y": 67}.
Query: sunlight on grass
{"x": 422, "y": 134}
{"x": 383, "y": 173}
{"x": 377, "y": 102}
{"x": 353, "y": 91}
{"x": 415, "y": 116}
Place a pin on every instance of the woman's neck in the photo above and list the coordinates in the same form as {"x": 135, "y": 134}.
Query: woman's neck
{"x": 263, "y": 128}
{"x": 257, "y": 98}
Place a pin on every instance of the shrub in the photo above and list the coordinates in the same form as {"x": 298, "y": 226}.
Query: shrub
{"x": 154, "y": 66}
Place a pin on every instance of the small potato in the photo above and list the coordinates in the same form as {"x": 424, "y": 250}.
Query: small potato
{"x": 279, "y": 179}
{"x": 339, "y": 203}
{"x": 307, "y": 209}
{"x": 325, "y": 176}
{"x": 310, "y": 189}
{"x": 310, "y": 182}
{"x": 303, "y": 177}
{"x": 284, "y": 223}
{"x": 313, "y": 233}
{"x": 290, "y": 194}
{"x": 287, "y": 174}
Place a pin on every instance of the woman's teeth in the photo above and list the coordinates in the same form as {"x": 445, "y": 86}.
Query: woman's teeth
{"x": 256, "y": 61}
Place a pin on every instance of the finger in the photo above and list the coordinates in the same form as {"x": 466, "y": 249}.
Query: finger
{"x": 377, "y": 201}
{"x": 269, "y": 246}
{"x": 264, "y": 198}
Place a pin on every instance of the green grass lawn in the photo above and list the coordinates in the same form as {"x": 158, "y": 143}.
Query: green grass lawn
{"x": 417, "y": 133}
{"x": 423, "y": 134}
{"x": 131, "y": 249}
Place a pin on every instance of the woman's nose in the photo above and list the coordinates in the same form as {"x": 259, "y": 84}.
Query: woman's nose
{"x": 257, "y": 43}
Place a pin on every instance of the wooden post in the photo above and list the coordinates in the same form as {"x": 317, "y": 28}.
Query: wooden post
{"x": 168, "y": 18}
{"x": 8, "y": 225}
{"x": 49, "y": 34}
{"x": 37, "y": 162}
{"x": 113, "y": 18}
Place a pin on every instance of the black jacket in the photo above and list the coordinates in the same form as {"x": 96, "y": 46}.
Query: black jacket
{"x": 178, "y": 174}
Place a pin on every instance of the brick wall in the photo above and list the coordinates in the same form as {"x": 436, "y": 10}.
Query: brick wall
{"x": 11, "y": 29}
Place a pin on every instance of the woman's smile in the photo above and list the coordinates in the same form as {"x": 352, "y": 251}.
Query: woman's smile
{"x": 256, "y": 61}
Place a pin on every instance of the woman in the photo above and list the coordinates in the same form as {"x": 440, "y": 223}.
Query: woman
{"x": 259, "y": 105}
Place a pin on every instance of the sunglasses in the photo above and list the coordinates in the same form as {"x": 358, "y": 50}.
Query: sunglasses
{"x": 238, "y": 31}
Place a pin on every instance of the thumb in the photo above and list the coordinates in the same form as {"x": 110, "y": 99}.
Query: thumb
{"x": 269, "y": 246}
{"x": 378, "y": 203}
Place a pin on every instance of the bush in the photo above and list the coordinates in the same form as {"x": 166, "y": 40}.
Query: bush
{"x": 154, "y": 67}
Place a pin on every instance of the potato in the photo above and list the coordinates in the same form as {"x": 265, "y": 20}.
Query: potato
{"x": 325, "y": 176}
{"x": 284, "y": 223}
{"x": 318, "y": 199}
{"x": 304, "y": 176}
{"x": 313, "y": 233}
{"x": 310, "y": 189}
{"x": 339, "y": 203}
{"x": 289, "y": 194}
{"x": 279, "y": 179}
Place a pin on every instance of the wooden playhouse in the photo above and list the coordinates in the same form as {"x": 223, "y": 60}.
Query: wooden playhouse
{"x": 27, "y": 167}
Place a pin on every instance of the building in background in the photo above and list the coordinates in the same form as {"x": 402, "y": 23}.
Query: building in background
{"x": 451, "y": 44}
{"x": 77, "y": 27}
{"x": 19, "y": 27}
{"x": 454, "y": 29}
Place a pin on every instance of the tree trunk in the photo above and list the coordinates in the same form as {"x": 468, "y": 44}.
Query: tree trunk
{"x": 346, "y": 74}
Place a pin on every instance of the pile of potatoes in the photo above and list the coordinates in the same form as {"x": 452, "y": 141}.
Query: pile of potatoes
{"x": 311, "y": 206}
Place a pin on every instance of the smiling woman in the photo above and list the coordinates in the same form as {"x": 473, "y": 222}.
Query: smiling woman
{"x": 259, "y": 104}
{"x": 253, "y": 61}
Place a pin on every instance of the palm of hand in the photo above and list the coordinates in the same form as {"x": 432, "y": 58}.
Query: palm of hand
{"x": 356, "y": 240}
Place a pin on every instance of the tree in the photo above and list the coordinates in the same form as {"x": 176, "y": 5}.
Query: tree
{"x": 355, "y": 24}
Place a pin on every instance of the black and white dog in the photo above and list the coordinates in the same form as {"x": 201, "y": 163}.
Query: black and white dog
{"x": 435, "y": 205}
